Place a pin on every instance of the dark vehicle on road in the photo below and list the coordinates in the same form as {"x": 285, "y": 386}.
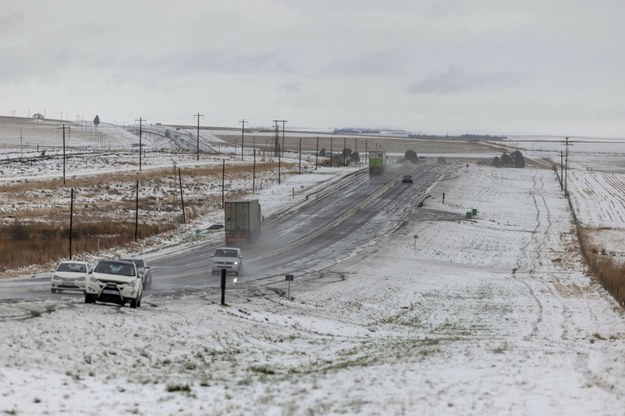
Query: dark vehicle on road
{"x": 406, "y": 179}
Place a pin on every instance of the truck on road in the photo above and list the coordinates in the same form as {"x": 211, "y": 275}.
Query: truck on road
{"x": 377, "y": 159}
{"x": 242, "y": 220}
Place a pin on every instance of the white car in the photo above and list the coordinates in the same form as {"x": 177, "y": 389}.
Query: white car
{"x": 229, "y": 259}
{"x": 114, "y": 281}
{"x": 143, "y": 268}
{"x": 70, "y": 275}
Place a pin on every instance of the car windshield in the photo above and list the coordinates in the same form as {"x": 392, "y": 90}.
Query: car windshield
{"x": 113, "y": 267}
{"x": 72, "y": 267}
{"x": 225, "y": 252}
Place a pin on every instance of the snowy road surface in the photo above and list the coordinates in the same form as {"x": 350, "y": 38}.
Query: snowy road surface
{"x": 489, "y": 316}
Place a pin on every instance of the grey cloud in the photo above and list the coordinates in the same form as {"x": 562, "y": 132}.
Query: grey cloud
{"x": 365, "y": 63}
{"x": 223, "y": 62}
{"x": 291, "y": 87}
{"x": 9, "y": 20}
{"x": 457, "y": 79}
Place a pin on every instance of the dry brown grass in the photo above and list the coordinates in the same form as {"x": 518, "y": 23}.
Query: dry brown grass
{"x": 609, "y": 271}
{"x": 26, "y": 244}
{"x": 34, "y": 229}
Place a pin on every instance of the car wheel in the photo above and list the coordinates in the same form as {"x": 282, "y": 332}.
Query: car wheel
{"x": 133, "y": 303}
{"x": 89, "y": 298}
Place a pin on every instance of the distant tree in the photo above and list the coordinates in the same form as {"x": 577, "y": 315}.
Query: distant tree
{"x": 322, "y": 152}
{"x": 519, "y": 160}
{"x": 354, "y": 157}
{"x": 411, "y": 156}
{"x": 441, "y": 160}
{"x": 96, "y": 120}
{"x": 496, "y": 162}
{"x": 506, "y": 159}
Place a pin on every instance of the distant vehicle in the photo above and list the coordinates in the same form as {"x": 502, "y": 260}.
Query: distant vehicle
{"x": 143, "y": 268}
{"x": 406, "y": 179}
{"x": 377, "y": 160}
{"x": 242, "y": 220}
{"x": 229, "y": 259}
{"x": 70, "y": 275}
{"x": 114, "y": 281}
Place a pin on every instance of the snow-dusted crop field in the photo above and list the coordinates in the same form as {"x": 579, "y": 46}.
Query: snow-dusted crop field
{"x": 489, "y": 316}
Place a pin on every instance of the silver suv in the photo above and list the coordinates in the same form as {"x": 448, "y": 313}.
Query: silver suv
{"x": 229, "y": 259}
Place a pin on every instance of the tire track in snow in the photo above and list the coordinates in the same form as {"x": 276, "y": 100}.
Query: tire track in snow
{"x": 531, "y": 259}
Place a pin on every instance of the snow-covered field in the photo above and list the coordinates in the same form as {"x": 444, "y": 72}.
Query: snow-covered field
{"x": 489, "y": 316}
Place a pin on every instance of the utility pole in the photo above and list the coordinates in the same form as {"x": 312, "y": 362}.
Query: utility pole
{"x": 566, "y": 162}
{"x": 277, "y": 129}
{"x": 283, "y": 128}
{"x": 561, "y": 171}
{"x": 276, "y": 145}
{"x": 242, "y": 135}
{"x": 198, "y": 115}
{"x": 317, "y": 154}
{"x": 277, "y": 148}
{"x": 141, "y": 121}
{"x": 254, "y": 173}
{"x": 68, "y": 129}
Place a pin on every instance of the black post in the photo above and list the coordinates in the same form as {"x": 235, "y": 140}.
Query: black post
{"x": 331, "y": 149}
{"x": 344, "y": 151}
{"x": 300, "y": 155}
{"x": 223, "y": 287}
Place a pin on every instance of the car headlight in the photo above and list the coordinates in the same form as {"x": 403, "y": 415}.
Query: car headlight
{"x": 81, "y": 279}
{"x": 235, "y": 263}
{"x": 55, "y": 277}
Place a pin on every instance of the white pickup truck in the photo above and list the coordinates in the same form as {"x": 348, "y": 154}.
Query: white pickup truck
{"x": 229, "y": 259}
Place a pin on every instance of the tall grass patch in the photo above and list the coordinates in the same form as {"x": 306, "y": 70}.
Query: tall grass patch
{"x": 609, "y": 271}
{"x": 25, "y": 244}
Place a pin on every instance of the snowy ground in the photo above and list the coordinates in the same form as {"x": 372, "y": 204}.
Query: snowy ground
{"x": 492, "y": 316}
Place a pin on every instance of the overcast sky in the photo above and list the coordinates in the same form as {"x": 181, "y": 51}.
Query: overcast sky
{"x": 552, "y": 67}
